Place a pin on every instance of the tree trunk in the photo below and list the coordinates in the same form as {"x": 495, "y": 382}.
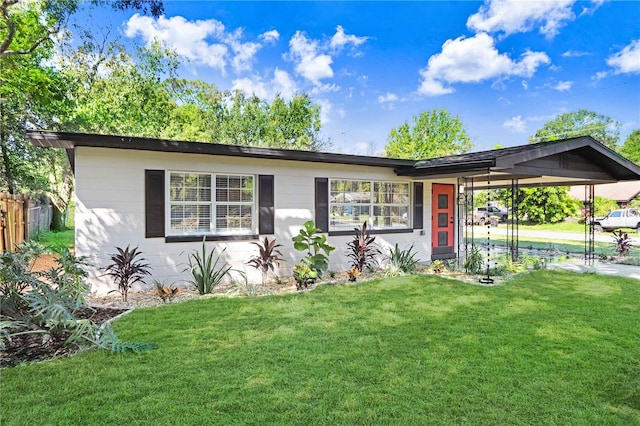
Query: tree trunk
{"x": 57, "y": 222}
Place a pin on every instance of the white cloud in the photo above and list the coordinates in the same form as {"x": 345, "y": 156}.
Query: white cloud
{"x": 281, "y": 83}
{"x": 563, "y": 86}
{"x": 517, "y": 16}
{"x": 205, "y": 42}
{"x": 626, "y": 61}
{"x": 186, "y": 38}
{"x": 324, "y": 88}
{"x": 599, "y": 75}
{"x": 388, "y": 97}
{"x": 244, "y": 52}
{"x": 340, "y": 39}
{"x": 270, "y": 36}
{"x": 515, "y": 124}
{"x": 314, "y": 58}
{"x": 471, "y": 60}
{"x": 574, "y": 54}
{"x": 325, "y": 110}
{"x": 310, "y": 63}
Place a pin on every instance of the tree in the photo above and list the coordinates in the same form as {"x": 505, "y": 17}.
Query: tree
{"x": 553, "y": 204}
{"x": 546, "y": 205}
{"x": 580, "y": 123}
{"x": 118, "y": 94}
{"x": 35, "y": 95}
{"x": 27, "y": 25}
{"x": 631, "y": 147}
{"x": 433, "y": 134}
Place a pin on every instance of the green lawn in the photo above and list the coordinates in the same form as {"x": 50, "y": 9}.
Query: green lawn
{"x": 57, "y": 240}
{"x": 547, "y": 347}
{"x": 562, "y": 246}
{"x": 554, "y": 227}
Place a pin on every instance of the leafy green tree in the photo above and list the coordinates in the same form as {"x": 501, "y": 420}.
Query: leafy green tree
{"x": 553, "y": 204}
{"x": 33, "y": 94}
{"x": 631, "y": 147}
{"x": 547, "y": 205}
{"x": 203, "y": 113}
{"x": 580, "y": 123}
{"x": 432, "y": 134}
{"x": 602, "y": 206}
{"x": 27, "y": 25}
{"x": 118, "y": 94}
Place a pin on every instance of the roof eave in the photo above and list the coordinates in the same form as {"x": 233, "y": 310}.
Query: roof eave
{"x": 73, "y": 140}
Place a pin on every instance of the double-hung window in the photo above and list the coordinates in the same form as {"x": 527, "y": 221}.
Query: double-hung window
{"x": 384, "y": 205}
{"x": 206, "y": 203}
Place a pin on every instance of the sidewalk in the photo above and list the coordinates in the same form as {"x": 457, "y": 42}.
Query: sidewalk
{"x": 603, "y": 237}
{"x": 598, "y": 267}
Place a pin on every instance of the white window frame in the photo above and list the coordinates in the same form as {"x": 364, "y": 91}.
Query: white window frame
{"x": 372, "y": 205}
{"x": 213, "y": 205}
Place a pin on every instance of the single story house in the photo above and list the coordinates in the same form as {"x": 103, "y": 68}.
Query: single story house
{"x": 621, "y": 192}
{"x": 165, "y": 196}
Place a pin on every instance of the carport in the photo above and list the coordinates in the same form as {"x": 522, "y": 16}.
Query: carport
{"x": 575, "y": 161}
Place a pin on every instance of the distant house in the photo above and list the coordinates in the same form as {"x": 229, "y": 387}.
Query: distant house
{"x": 166, "y": 196}
{"x": 621, "y": 192}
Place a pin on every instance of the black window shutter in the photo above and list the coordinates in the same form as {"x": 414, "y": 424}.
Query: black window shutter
{"x": 266, "y": 214}
{"x": 322, "y": 204}
{"x": 154, "y": 203}
{"x": 418, "y": 200}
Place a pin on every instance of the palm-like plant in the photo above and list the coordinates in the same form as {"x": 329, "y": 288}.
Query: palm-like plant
{"x": 363, "y": 252}
{"x": 127, "y": 269}
{"x": 622, "y": 242}
{"x": 267, "y": 259}
{"x": 204, "y": 270}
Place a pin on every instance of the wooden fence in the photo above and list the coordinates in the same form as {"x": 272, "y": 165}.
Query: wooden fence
{"x": 21, "y": 218}
{"x": 12, "y": 219}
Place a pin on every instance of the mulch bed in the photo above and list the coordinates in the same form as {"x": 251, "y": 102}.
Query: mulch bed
{"x": 29, "y": 348}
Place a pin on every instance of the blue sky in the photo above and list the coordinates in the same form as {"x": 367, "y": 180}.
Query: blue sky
{"x": 504, "y": 67}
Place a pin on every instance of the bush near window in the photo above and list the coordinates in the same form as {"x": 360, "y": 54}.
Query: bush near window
{"x": 311, "y": 241}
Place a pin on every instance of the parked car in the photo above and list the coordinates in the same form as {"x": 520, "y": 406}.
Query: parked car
{"x": 485, "y": 214}
{"x": 477, "y": 217}
{"x": 623, "y": 218}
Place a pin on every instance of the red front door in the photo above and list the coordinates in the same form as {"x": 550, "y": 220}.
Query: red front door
{"x": 442, "y": 221}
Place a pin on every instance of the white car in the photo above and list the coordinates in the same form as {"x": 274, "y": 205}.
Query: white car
{"x": 623, "y": 218}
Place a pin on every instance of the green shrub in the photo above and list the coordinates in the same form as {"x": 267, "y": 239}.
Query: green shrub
{"x": 304, "y": 274}
{"x": 473, "y": 263}
{"x": 315, "y": 245}
{"x": 401, "y": 261}
{"x": 44, "y": 302}
{"x": 438, "y": 266}
{"x": 206, "y": 271}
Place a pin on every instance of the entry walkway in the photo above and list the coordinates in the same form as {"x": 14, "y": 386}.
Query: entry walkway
{"x": 604, "y": 268}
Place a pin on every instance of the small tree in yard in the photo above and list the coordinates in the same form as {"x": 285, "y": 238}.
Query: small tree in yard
{"x": 315, "y": 244}
{"x": 126, "y": 269}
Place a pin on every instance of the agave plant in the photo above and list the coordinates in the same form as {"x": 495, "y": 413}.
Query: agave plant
{"x": 267, "y": 259}
{"x": 401, "y": 261}
{"x": 127, "y": 269}
{"x": 205, "y": 272}
{"x": 363, "y": 252}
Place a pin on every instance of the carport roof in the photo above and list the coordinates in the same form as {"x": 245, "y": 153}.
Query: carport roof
{"x": 575, "y": 161}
